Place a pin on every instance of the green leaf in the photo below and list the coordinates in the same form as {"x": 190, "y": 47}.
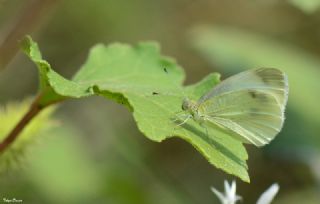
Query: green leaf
{"x": 135, "y": 76}
{"x": 307, "y": 6}
{"x": 48, "y": 95}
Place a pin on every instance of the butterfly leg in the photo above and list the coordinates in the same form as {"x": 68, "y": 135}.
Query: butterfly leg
{"x": 185, "y": 120}
{"x": 178, "y": 117}
{"x": 181, "y": 116}
{"x": 187, "y": 117}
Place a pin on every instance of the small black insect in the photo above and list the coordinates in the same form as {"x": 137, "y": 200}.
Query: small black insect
{"x": 165, "y": 70}
{"x": 253, "y": 94}
{"x": 155, "y": 93}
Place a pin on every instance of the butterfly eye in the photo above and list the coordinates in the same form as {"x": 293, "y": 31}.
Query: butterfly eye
{"x": 185, "y": 104}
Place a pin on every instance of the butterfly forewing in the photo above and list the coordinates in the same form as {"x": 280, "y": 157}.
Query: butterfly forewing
{"x": 250, "y": 104}
{"x": 269, "y": 80}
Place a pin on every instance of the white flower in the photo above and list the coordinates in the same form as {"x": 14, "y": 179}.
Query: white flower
{"x": 230, "y": 196}
{"x": 267, "y": 196}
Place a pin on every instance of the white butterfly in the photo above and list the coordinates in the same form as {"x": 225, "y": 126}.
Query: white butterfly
{"x": 249, "y": 105}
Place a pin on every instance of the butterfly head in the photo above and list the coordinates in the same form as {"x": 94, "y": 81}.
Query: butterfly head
{"x": 188, "y": 105}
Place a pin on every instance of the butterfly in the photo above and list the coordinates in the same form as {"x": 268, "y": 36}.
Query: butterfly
{"x": 249, "y": 105}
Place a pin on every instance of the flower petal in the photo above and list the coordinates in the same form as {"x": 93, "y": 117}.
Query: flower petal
{"x": 233, "y": 189}
{"x": 219, "y": 195}
{"x": 269, "y": 194}
{"x": 227, "y": 187}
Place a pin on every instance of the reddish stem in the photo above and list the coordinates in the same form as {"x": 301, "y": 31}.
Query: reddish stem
{"x": 34, "y": 109}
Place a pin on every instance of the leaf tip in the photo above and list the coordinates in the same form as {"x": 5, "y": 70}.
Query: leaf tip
{"x": 25, "y": 43}
{"x": 30, "y": 48}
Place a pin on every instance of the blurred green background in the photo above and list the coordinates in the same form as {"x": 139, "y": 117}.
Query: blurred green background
{"x": 95, "y": 154}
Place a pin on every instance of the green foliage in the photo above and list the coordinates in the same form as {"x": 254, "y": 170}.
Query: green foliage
{"x": 307, "y": 6}
{"x": 9, "y": 116}
{"x": 135, "y": 77}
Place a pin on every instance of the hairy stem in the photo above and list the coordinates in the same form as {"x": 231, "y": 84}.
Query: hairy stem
{"x": 34, "y": 110}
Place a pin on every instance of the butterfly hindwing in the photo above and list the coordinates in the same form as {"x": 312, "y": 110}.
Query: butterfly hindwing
{"x": 254, "y": 116}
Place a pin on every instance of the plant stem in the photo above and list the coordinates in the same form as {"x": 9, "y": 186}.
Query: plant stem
{"x": 34, "y": 110}
{"x": 28, "y": 20}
